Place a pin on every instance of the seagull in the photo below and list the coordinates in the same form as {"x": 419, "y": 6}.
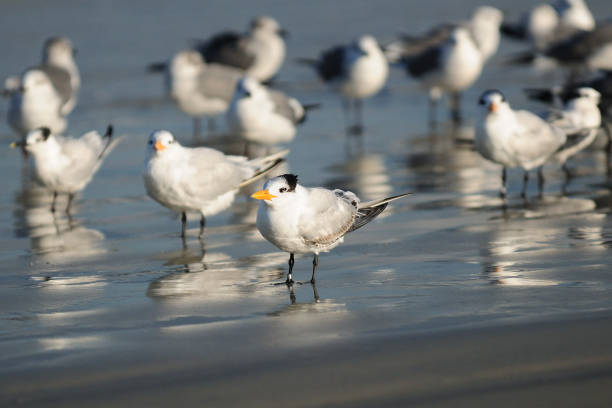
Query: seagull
{"x": 199, "y": 88}
{"x": 310, "y": 220}
{"x": 46, "y": 93}
{"x": 484, "y": 28}
{"x": 450, "y": 66}
{"x": 546, "y": 24}
{"x": 201, "y": 179}
{"x": 262, "y": 115}
{"x": 515, "y": 138}
{"x": 259, "y": 53}
{"x": 66, "y": 165}
{"x": 357, "y": 71}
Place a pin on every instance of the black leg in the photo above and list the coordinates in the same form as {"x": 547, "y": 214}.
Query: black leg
{"x": 358, "y": 128}
{"x": 53, "y": 202}
{"x": 197, "y": 124}
{"x": 315, "y": 293}
{"x": 212, "y": 125}
{"x": 70, "y": 198}
{"x": 433, "y": 109}
{"x": 525, "y": 183}
{"x": 456, "y": 108}
{"x": 608, "y": 128}
{"x": 567, "y": 171}
{"x": 502, "y": 192}
{"x": 346, "y": 110}
{"x": 315, "y": 263}
{"x": 202, "y": 225}
{"x": 183, "y": 224}
{"x": 540, "y": 182}
{"x": 289, "y": 280}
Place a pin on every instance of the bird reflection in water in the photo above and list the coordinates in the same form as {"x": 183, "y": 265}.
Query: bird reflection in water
{"x": 54, "y": 237}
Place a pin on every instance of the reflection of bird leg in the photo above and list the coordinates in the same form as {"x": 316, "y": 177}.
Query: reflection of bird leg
{"x": 525, "y": 184}
{"x": 291, "y": 295}
{"x": 315, "y": 293}
{"x": 346, "y": 110}
{"x": 540, "y": 182}
{"x": 358, "y": 127}
{"x": 289, "y": 280}
{"x": 183, "y": 225}
{"x": 315, "y": 263}
{"x": 53, "y": 202}
{"x": 433, "y": 108}
{"x": 70, "y": 198}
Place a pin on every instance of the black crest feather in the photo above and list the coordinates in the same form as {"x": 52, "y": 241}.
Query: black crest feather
{"x": 292, "y": 180}
{"x": 46, "y": 132}
{"x": 488, "y": 92}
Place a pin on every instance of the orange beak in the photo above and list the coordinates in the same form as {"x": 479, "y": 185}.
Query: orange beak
{"x": 159, "y": 145}
{"x": 493, "y": 107}
{"x": 263, "y": 195}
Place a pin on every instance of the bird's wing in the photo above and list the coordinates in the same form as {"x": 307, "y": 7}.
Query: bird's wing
{"x": 579, "y": 46}
{"x": 60, "y": 78}
{"x": 218, "y": 81}
{"x": 331, "y": 63}
{"x": 328, "y": 216}
{"x": 209, "y": 173}
{"x": 227, "y": 48}
{"x": 414, "y": 45}
{"x": 285, "y": 106}
{"x": 535, "y": 137}
{"x": 424, "y": 62}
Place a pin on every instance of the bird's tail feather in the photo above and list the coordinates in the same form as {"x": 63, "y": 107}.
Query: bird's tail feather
{"x": 156, "y": 67}
{"x": 266, "y": 165}
{"x": 110, "y": 143}
{"x": 370, "y": 210}
{"x": 522, "y": 58}
{"x": 571, "y": 149}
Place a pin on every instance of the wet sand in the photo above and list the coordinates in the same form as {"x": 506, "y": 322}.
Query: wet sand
{"x": 445, "y": 300}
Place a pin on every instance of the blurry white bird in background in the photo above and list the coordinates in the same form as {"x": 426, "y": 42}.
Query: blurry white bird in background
{"x": 356, "y": 71}
{"x": 515, "y": 138}
{"x": 310, "y": 220}
{"x": 200, "y": 179}
{"x": 46, "y": 93}
{"x": 262, "y": 115}
{"x": 198, "y": 88}
{"x": 260, "y": 52}
{"x": 66, "y": 165}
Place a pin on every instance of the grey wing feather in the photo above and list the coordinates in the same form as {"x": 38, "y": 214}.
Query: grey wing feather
{"x": 283, "y": 106}
{"x": 219, "y": 81}
{"x": 414, "y": 45}
{"x": 328, "y": 219}
{"x": 60, "y": 78}
{"x": 212, "y": 174}
{"x": 370, "y": 210}
{"x": 540, "y": 137}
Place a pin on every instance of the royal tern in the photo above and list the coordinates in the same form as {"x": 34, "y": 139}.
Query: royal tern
{"x": 200, "y": 179}
{"x": 300, "y": 219}
{"x": 66, "y": 165}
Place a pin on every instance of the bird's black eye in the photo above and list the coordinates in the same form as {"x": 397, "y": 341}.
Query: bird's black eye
{"x": 481, "y": 102}
{"x": 282, "y": 189}
{"x": 150, "y": 142}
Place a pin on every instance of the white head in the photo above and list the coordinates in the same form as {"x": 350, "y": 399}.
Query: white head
{"x": 37, "y": 140}
{"x": 161, "y": 142}
{"x": 186, "y": 63}
{"x": 366, "y": 44}
{"x": 493, "y": 102}
{"x": 587, "y": 94}
{"x": 58, "y": 51}
{"x": 36, "y": 83}
{"x": 488, "y": 15}
{"x": 267, "y": 25}
{"x": 248, "y": 88}
{"x": 279, "y": 190}
{"x": 486, "y": 22}
{"x": 459, "y": 34}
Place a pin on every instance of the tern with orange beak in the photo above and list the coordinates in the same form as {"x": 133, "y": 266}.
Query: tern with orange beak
{"x": 66, "y": 165}
{"x": 515, "y": 138}
{"x": 310, "y": 219}
{"x": 200, "y": 179}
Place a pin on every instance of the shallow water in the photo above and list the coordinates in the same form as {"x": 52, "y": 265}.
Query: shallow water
{"x": 114, "y": 287}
